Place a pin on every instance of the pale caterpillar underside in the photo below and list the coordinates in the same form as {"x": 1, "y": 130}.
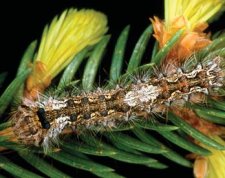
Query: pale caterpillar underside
{"x": 40, "y": 123}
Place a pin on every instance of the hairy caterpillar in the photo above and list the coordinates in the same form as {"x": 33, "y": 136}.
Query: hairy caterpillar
{"x": 40, "y": 123}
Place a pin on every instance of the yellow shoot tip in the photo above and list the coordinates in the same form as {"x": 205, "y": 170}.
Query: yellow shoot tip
{"x": 211, "y": 166}
{"x": 195, "y": 12}
{"x": 191, "y": 16}
{"x": 67, "y": 35}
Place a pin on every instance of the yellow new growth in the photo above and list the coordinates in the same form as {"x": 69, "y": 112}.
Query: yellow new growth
{"x": 190, "y": 15}
{"x": 61, "y": 41}
{"x": 216, "y": 162}
{"x": 194, "y": 11}
{"x": 211, "y": 166}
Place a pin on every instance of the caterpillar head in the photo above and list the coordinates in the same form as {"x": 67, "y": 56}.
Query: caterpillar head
{"x": 27, "y": 127}
{"x": 33, "y": 126}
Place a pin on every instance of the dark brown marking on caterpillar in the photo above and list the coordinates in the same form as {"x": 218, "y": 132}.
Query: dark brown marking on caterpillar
{"x": 70, "y": 103}
{"x": 84, "y": 100}
{"x": 73, "y": 117}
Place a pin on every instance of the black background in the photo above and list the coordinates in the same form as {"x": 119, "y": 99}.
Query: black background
{"x": 22, "y": 22}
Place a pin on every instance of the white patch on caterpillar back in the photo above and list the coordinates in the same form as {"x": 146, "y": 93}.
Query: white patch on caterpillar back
{"x": 198, "y": 89}
{"x": 213, "y": 71}
{"x": 174, "y": 77}
{"x": 53, "y": 104}
{"x": 55, "y": 130}
{"x": 138, "y": 96}
{"x": 194, "y": 72}
{"x": 57, "y": 104}
{"x": 30, "y": 103}
{"x": 178, "y": 95}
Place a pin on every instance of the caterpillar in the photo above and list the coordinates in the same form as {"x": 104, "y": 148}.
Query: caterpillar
{"x": 41, "y": 122}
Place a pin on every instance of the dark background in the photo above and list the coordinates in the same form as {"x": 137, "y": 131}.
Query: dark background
{"x": 23, "y": 22}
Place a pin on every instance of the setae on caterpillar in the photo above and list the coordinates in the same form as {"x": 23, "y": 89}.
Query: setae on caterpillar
{"x": 41, "y": 122}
